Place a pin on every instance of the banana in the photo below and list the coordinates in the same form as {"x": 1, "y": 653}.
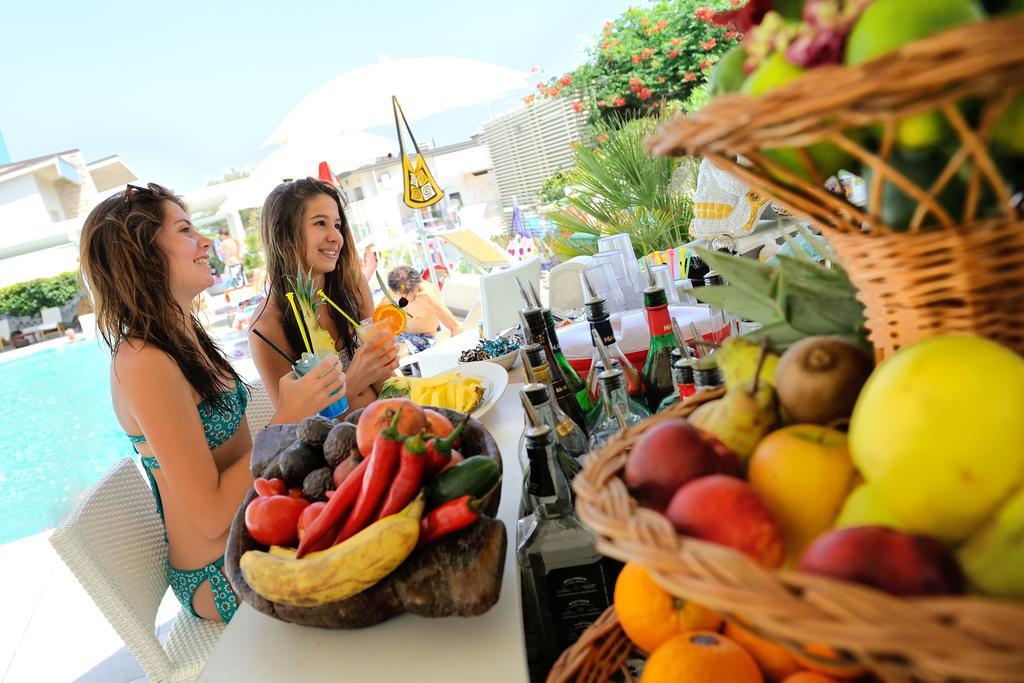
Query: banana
{"x": 338, "y": 572}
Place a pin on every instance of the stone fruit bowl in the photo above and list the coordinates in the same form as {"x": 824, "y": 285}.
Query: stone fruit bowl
{"x": 458, "y": 576}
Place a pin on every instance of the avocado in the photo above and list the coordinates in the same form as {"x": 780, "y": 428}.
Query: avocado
{"x": 298, "y": 461}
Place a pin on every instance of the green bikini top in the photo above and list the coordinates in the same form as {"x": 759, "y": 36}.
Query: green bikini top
{"x": 219, "y": 424}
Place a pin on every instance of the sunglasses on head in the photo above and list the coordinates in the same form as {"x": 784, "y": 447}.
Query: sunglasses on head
{"x": 129, "y": 192}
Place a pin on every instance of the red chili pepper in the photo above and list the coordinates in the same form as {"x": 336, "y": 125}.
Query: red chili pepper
{"x": 409, "y": 477}
{"x": 448, "y": 518}
{"x": 269, "y": 487}
{"x": 323, "y": 527}
{"x": 439, "y": 451}
{"x": 383, "y": 460}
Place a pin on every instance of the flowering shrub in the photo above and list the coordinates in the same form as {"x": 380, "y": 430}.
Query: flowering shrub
{"x": 644, "y": 58}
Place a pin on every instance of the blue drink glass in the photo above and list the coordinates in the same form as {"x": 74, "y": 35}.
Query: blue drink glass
{"x": 307, "y": 363}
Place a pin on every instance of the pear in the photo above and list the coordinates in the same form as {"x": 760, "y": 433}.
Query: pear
{"x": 993, "y": 557}
{"x": 743, "y": 416}
{"x": 864, "y": 507}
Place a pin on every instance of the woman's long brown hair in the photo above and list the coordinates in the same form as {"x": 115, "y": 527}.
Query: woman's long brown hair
{"x": 128, "y": 277}
{"x": 281, "y": 233}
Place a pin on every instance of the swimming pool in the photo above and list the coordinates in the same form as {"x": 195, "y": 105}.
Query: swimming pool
{"x": 58, "y": 434}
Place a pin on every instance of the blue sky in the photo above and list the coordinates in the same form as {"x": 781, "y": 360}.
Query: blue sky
{"x": 185, "y": 90}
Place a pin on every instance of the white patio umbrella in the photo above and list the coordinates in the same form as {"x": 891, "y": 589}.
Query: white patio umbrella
{"x": 361, "y": 98}
{"x": 300, "y": 156}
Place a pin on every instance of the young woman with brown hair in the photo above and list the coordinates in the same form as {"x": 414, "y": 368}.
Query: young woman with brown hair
{"x": 303, "y": 229}
{"x": 174, "y": 393}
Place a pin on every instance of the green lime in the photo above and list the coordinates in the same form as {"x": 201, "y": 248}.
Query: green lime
{"x": 889, "y": 24}
{"x": 728, "y": 74}
{"x": 828, "y": 159}
{"x": 1009, "y": 130}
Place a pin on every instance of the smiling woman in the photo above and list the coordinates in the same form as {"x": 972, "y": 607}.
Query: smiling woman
{"x": 305, "y": 233}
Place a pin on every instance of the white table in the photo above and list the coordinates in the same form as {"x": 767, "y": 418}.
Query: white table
{"x": 489, "y": 648}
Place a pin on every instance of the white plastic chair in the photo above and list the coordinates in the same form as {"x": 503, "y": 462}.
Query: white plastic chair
{"x": 565, "y": 291}
{"x": 260, "y": 409}
{"x": 114, "y": 544}
{"x": 499, "y": 295}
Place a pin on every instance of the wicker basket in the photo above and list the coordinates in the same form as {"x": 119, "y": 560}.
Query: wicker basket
{"x": 599, "y": 653}
{"x": 962, "y": 274}
{"x": 899, "y": 639}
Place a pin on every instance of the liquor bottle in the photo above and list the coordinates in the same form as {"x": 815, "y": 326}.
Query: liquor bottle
{"x": 602, "y": 410}
{"x": 707, "y": 375}
{"x": 569, "y": 446}
{"x": 682, "y": 376}
{"x": 600, "y": 322}
{"x": 566, "y": 583}
{"x": 576, "y": 385}
{"x": 569, "y": 438}
{"x": 616, "y": 407}
{"x": 535, "y": 332}
{"x": 658, "y": 366}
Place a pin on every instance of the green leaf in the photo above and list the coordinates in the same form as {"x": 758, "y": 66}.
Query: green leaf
{"x": 740, "y": 303}
{"x": 781, "y": 334}
{"x": 747, "y": 274}
{"x": 825, "y": 281}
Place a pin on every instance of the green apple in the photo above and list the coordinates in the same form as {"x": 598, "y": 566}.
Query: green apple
{"x": 993, "y": 558}
{"x": 864, "y": 507}
{"x": 728, "y": 74}
{"x": 938, "y": 432}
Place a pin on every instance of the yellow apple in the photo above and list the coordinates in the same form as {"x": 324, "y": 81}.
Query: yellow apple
{"x": 938, "y": 432}
{"x": 864, "y": 507}
{"x": 803, "y": 473}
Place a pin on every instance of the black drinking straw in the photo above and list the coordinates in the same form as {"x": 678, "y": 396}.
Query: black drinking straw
{"x": 274, "y": 346}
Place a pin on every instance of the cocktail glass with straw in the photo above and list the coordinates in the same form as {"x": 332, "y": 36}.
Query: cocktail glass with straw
{"x": 308, "y": 361}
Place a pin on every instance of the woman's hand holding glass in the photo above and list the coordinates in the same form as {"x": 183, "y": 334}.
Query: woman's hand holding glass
{"x": 373, "y": 362}
{"x": 303, "y": 396}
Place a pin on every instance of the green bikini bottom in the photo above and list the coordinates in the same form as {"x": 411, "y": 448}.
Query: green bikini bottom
{"x": 185, "y": 582}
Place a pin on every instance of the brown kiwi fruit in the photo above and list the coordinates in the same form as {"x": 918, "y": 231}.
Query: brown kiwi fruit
{"x": 818, "y": 379}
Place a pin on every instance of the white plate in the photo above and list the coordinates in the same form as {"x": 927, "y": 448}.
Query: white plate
{"x": 492, "y": 376}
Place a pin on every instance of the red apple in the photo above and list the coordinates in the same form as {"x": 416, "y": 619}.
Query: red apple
{"x": 728, "y": 511}
{"x": 667, "y": 456}
{"x": 892, "y": 561}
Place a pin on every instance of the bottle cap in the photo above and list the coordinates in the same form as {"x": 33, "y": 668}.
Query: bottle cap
{"x": 596, "y": 309}
{"x": 536, "y": 393}
{"x": 535, "y": 354}
{"x": 538, "y": 437}
{"x": 654, "y": 296}
{"x": 611, "y": 380}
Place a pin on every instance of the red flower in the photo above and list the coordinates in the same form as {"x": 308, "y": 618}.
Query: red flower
{"x": 635, "y": 84}
{"x": 644, "y": 94}
{"x": 707, "y": 63}
{"x": 600, "y": 103}
{"x": 552, "y": 92}
{"x": 644, "y": 21}
{"x": 734, "y": 2}
{"x": 705, "y": 14}
{"x": 566, "y": 79}
{"x": 540, "y": 86}
{"x": 602, "y": 138}
{"x": 608, "y": 26}
{"x": 619, "y": 102}
{"x": 730, "y": 34}
{"x": 528, "y": 99}
{"x": 577, "y": 107}
{"x": 708, "y": 44}
{"x": 647, "y": 52}
{"x": 689, "y": 76}
{"x": 676, "y": 42}
{"x": 661, "y": 25}
{"x": 534, "y": 69}
{"x": 661, "y": 79}
{"x": 637, "y": 59}
{"x": 673, "y": 54}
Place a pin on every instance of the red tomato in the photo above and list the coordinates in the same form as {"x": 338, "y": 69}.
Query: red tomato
{"x": 273, "y": 520}
{"x": 308, "y": 515}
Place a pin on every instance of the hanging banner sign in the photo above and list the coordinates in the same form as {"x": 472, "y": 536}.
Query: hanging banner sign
{"x": 420, "y": 188}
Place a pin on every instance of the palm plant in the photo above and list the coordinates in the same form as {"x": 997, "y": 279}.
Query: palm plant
{"x": 618, "y": 187}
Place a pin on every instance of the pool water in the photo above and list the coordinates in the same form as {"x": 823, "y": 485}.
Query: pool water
{"x": 58, "y": 434}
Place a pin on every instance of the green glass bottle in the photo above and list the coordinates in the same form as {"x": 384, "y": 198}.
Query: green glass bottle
{"x": 658, "y": 367}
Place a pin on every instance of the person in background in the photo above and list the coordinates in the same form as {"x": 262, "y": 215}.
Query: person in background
{"x": 175, "y": 395}
{"x": 229, "y": 252}
{"x": 304, "y": 229}
{"x": 427, "y": 314}
{"x": 368, "y": 265}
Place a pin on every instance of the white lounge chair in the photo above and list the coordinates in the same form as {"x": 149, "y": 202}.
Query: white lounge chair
{"x": 5, "y": 333}
{"x": 114, "y": 544}
{"x": 499, "y": 295}
{"x": 565, "y": 291}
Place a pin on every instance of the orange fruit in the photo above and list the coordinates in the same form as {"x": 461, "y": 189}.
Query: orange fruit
{"x": 776, "y": 662}
{"x": 650, "y": 615}
{"x": 394, "y": 315}
{"x": 827, "y": 660}
{"x": 701, "y": 657}
{"x": 810, "y": 677}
